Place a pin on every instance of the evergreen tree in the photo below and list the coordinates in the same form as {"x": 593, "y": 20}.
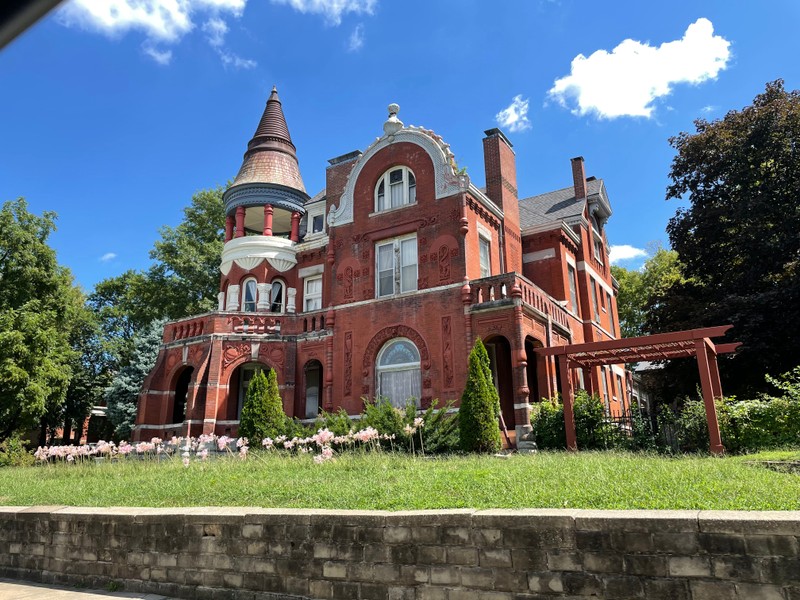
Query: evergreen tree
{"x": 122, "y": 395}
{"x": 480, "y": 405}
{"x": 262, "y": 413}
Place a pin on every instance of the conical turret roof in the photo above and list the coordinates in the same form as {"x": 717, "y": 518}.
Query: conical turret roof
{"x": 271, "y": 156}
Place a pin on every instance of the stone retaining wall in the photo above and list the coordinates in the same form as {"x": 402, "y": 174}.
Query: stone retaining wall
{"x": 238, "y": 553}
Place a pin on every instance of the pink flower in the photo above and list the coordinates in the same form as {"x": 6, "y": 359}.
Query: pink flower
{"x": 243, "y": 452}
{"x": 419, "y": 422}
{"x": 267, "y": 443}
{"x": 323, "y": 437}
{"x": 185, "y": 462}
{"x": 203, "y": 454}
{"x": 409, "y": 430}
{"x": 70, "y": 458}
{"x": 242, "y": 441}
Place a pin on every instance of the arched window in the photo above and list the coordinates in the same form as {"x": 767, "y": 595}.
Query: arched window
{"x": 276, "y": 301}
{"x": 398, "y": 372}
{"x": 396, "y": 188}
{"x": 249, "y": 296}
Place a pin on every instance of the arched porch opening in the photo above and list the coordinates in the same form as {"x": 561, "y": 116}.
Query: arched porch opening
{"x": 499, "y": 350}
{"x": 312, "y": 379}
{"x": 237, "y": 387}
{"x": 535, "y": 371}
{"x": 180, "y": 391}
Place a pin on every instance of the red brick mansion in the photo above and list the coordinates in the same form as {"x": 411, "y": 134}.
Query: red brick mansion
{"x": 379, "y": 284}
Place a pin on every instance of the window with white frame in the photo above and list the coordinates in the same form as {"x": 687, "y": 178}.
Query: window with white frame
{"x": 611, "y": 315}
{"x": 398, "y": 372}
{"x": 276, "y": 299}
{"x": 593, "y": 286}
{"x": 573, "y": 288}
{"x": 396, "y": 266}
{"x": 317, "y": 223}
{"x": 312, "y": 293}
{"x": 604, "y": 382}
{"x": 396, "y": 188}
{"x": 249, "y": 296}
{"x": 485, "y": 252}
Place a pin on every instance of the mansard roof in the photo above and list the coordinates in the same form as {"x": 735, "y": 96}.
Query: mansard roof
{"x": 271, "y": 157}
{"x": 558, "y": 205}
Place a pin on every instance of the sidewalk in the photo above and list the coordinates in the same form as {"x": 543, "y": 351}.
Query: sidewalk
{"x": 11, "y": 589}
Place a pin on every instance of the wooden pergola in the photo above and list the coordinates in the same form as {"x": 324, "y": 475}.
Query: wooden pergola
{"x": 663, "y": 346}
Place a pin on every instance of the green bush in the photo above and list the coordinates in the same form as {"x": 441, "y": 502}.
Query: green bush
{"x": 547, "y": 421}
{"x": 14, "y": 454}
{"x": 478, "y": 415}
{"x": 592, "y": 430}
{"x": 339, "y": 422}
{"x": 440, "y": 433}
{"x": 262, "y": 413}
{"x": 388, "y": 420}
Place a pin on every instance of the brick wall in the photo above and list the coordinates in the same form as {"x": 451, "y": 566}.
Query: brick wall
{"x": 243, "y": 553}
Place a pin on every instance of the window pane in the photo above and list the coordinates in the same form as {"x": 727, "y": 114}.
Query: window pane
{"x": 276, "y": 297}
{"x": 316, "y": 227}
{"x": 592, "y": 285}
{"x": 396, "y": 190}
{"x": 400, "y": 352}
{"x": 412, "y": 188}
{"x": 314, "y": 286}
{"x": 250, "y": 296}
{"x": 408, "y": 262}
{"x": 573, "y": 295}
{"x": 486, "y": 269}
{"x": 396, "y": 176}
{"x": 386, "y": 283}
{"x": 400, "y": 386}
{"x": 381, "y": 196}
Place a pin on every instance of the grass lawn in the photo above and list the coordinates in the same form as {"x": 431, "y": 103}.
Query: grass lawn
{"x": 398, "y": 482}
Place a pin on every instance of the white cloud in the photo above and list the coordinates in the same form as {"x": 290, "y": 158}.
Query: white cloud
{"x": 161, "y": 21}
{"x": 709, "y": 109}
{"x": 108, "y": 256}
{"x": 624, "y": 252}
{"x": 215, "y": 29}
{"x": 229, "y": 59}
{"x": 515, "y": 116}
{"x": 332, "y": 10}
{"x": 627, "y": 80}
{"x": 356, "y": 40}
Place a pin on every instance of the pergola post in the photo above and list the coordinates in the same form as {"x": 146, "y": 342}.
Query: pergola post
{"x": 708, "y": 375}
{"x": 569, "y": 400}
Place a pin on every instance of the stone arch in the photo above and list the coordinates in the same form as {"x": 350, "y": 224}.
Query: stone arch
{"x": 447, "y": 182}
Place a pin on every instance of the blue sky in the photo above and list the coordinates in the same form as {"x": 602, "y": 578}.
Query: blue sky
{"x": 114, "y": 112}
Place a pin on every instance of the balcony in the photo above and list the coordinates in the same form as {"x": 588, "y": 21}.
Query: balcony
{"x": 262, "y": 324}
{"x": 498, "y": 287}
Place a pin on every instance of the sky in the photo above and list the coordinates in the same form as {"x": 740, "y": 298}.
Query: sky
{"x": 113, "y": 113}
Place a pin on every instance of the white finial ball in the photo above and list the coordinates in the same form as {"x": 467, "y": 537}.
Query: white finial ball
{"x": 394, "y": 108}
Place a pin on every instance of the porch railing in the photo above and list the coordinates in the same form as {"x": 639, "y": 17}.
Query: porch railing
{"x": 499, "y": 287}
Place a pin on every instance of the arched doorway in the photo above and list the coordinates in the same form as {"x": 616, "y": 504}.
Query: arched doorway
{"x": 499, "y": 351}
{"x": 237, "y": 387}
{"x": 312, "y": 374}
{"x": 535, "y": 371}
{"x": 181, "y": 392}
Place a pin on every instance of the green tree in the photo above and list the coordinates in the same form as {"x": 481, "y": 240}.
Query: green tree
{"x": 738, "y": 237}
{"x": 479, "y": 413}
{"x": 641, "y": 291}
{"x": 262, "y": 413}
{"x": 123, "y": 393}
{"x": 36, "y": 313}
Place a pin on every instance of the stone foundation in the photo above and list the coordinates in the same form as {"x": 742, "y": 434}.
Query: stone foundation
{"x": 246, "y": 553}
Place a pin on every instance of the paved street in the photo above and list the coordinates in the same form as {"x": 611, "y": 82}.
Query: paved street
{"x": 11, "y": 589}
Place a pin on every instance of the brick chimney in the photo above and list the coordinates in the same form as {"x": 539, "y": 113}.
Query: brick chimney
{"x": 500, "y": 164}
{"x": 579, "y": 177}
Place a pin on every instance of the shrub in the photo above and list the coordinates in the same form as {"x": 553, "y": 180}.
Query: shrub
{"x": 262, "y": 413}
{"x": 338, "y": 423}
{"x": 480, "y": 405}
{"x": 14, "y": 454}
{"x": 440, "y": 433}
{"x": 592, "y": 430}
{"x": 547, "y": 421}
{"x": 388, "y": 419}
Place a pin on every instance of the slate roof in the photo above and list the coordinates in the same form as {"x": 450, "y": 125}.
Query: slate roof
{"x": 554, "y": 206}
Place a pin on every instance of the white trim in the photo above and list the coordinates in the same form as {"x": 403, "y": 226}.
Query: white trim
{"x": 522, "y": 406}
{"x": 571, "y": 261}
{"x": 397, "y": 265}
{"x": 385, "y": 181}
{"x": 229, "y": 422}
{"x": 618, "y": 370}
{"x": 484, "y": 231}
{"x": 582, "y": 266}
{"x": 486, "y": 201}
{"x": 249, "y": 251}
{"x": 539, "y": 255}
{"x": 446, "y": 181}
{"x": 311, "y": 271}
{"x": 307, "y": 296}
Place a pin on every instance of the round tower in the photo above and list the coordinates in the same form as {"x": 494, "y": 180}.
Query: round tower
{"x": 263, "y": 208}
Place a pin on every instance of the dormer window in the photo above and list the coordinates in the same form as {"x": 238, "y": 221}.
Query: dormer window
{"x": 396, "y": 188}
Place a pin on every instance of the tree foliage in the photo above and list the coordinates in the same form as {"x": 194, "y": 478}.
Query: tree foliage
{"x": 38, "y": 308}
{"x": 641, "y": 291}
{"x": 738, "y": 237}
{"x": 262, "y": 413}
{"x": 123, "y": 393}
{"x": 480, "y": 405}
